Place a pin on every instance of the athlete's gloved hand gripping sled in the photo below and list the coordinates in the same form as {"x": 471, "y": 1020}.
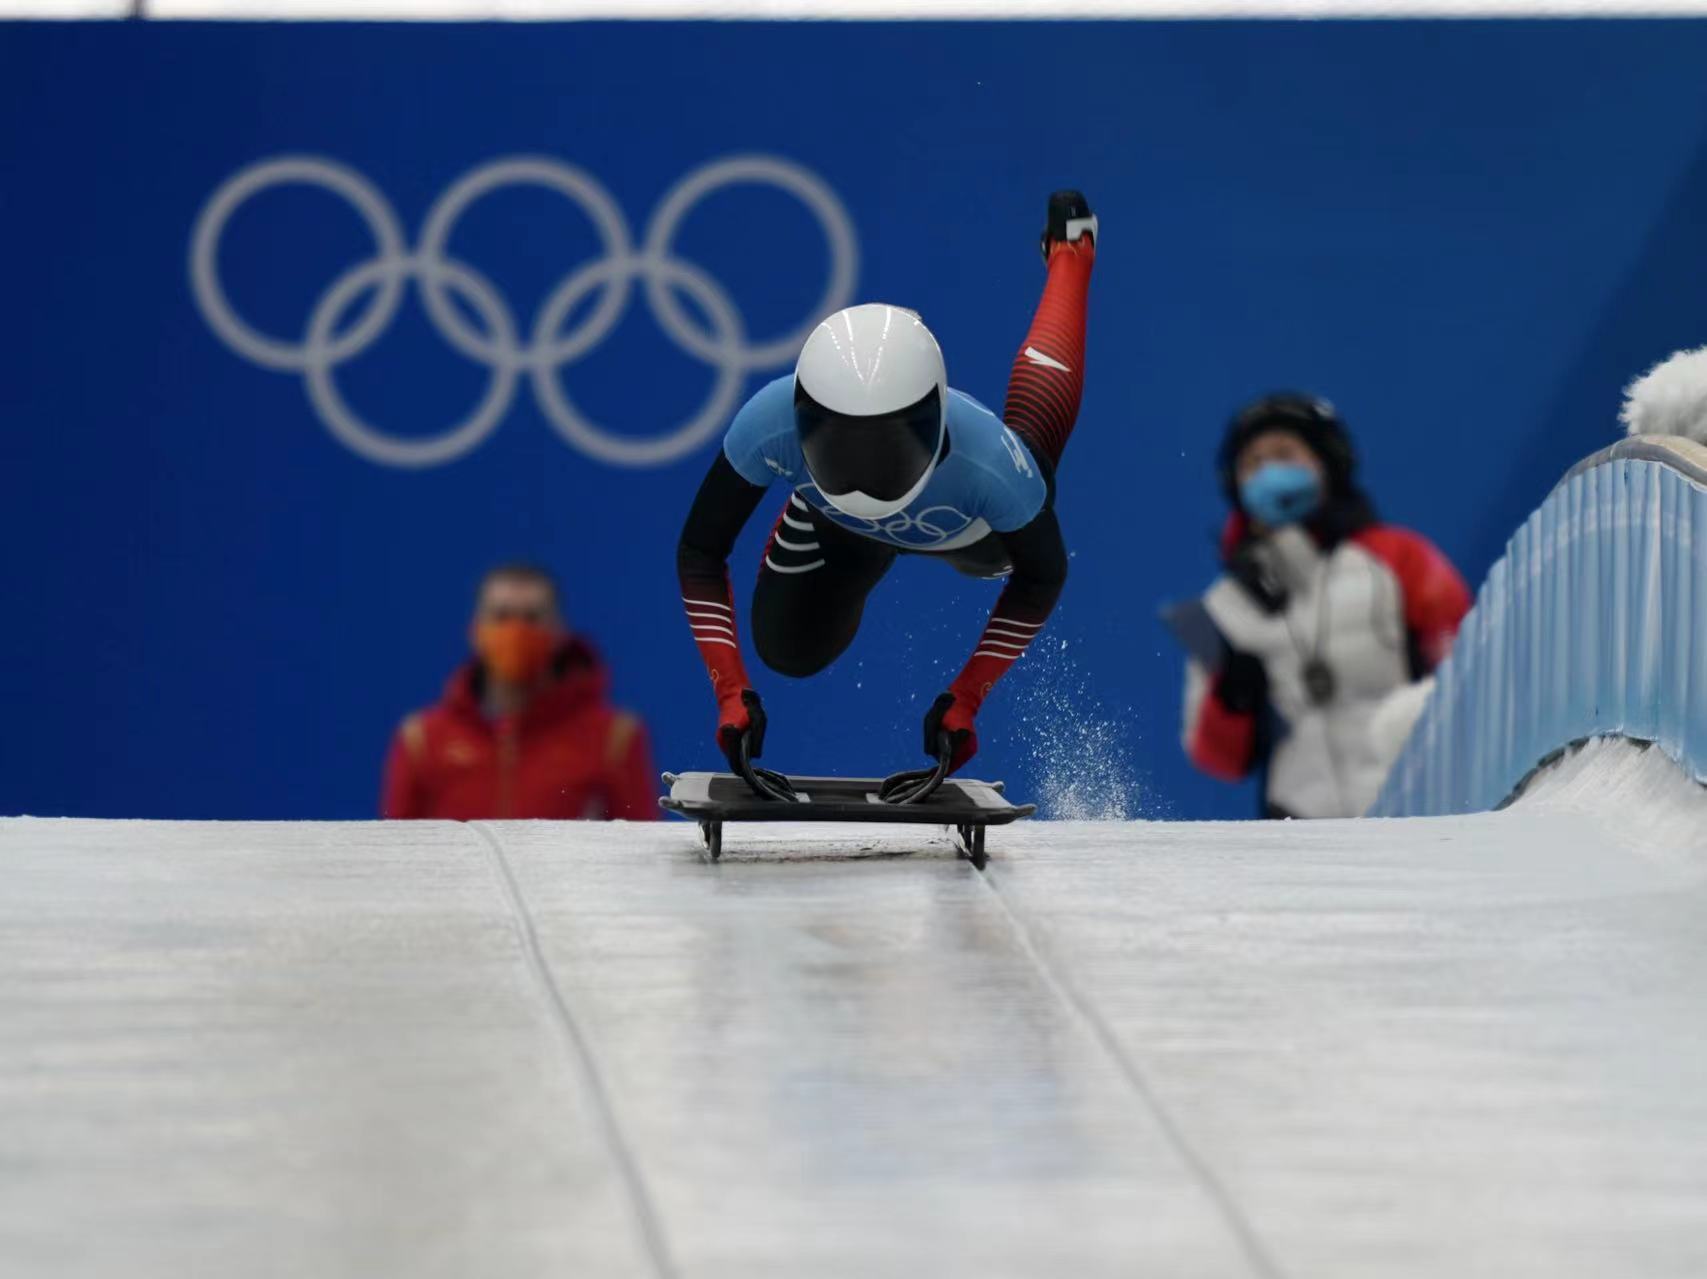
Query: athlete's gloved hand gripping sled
{"x": 884, "y": 458}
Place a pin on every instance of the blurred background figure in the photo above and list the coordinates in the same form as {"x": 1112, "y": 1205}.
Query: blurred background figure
{"x": 1309, "y": 655}
{"x": 525, "y": 728}
{"x": 1670, "y": 398}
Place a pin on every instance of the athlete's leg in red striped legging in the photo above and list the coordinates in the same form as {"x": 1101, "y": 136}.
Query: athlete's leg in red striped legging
{"x": 1048, "y": 375}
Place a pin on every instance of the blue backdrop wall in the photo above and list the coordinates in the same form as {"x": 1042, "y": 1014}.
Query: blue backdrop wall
{"x": 243, "y": 507}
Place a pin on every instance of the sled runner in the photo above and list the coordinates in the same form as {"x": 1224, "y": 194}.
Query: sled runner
{"x": 966, "y": 805}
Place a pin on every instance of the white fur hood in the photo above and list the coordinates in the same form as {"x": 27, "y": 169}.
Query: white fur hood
{"x": 1670, "y": 398}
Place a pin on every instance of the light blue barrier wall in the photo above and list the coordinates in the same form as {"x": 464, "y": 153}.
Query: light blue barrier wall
{"x": 1593, "y": 623}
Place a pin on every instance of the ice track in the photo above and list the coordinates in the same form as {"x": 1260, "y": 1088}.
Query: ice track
{"x": 1456, "y": 1047}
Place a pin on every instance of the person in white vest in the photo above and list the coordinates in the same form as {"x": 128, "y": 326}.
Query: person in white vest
{"x": 1322, "y": 617}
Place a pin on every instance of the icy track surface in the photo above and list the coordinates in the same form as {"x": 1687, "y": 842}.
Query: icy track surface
{"x": 1458, "y": 1047}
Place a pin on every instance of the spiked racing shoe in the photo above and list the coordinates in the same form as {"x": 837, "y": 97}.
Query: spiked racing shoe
{"x": 1070, "y": 219}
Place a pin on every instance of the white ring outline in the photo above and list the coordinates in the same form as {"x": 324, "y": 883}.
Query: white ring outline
{"x": 575, "y": 185}
{"x": 624, "y": 450}
{"x": 347, "y": 425}
{"x": 929, "y": 529}
{"x": 810, "y": 190}
{"x": 295, "y": 170}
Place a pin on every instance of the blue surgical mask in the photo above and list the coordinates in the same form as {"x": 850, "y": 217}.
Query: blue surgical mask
{"x": 1281, "y": 493}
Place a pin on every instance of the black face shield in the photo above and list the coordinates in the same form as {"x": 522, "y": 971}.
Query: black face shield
{"x": 880, "y": 457}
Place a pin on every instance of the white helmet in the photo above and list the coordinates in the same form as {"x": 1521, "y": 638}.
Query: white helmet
{"x": 871, "y": 406}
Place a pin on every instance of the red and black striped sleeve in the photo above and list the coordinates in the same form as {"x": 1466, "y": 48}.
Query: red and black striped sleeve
{"x": 720, "y": 511}
{"x": 1039, "y": 558}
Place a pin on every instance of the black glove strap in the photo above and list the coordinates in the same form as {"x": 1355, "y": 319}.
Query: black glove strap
{"x": 918, "y": 785}
{"x": 762, "y": 781}
{"x": 933, "y": 722}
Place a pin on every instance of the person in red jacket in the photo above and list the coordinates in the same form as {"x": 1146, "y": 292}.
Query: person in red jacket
{"x": 1325, "y": 623}
{"x": 525, "y": 728}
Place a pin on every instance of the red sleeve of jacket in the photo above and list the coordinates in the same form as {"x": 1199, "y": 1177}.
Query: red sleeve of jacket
{"x": 400, "y": 794}
{"x": 1436, "y": 599}
{"x": 631, "y": 786}
{"x": 1222, "y": 742}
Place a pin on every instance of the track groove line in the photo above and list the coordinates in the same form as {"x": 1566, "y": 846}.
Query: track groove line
{"x": 1242, "y": 1230}
{"x": 646, "y": 1215}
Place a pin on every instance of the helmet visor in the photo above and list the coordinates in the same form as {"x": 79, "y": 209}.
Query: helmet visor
{"x": 882, "y": 456}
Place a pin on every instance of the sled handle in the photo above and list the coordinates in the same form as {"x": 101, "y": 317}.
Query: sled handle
{"x": 917, "y": 785}
{"x": 762, "y": 781}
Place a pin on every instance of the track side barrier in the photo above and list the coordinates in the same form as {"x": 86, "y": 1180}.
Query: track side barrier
{"x": 1594, "y": 623}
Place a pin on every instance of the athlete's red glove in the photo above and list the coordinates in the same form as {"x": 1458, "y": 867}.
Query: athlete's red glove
{"x": 740, "y": 713}
{"x": 952, "y": 713}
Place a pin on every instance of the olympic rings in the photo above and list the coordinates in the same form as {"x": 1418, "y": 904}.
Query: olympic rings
{"x": 547, "y": 350}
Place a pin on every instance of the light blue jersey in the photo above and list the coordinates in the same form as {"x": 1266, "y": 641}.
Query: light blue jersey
{"x": 989, "y": 480}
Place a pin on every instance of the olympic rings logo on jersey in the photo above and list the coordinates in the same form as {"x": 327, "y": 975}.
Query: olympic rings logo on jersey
{"x": 931, "y": 526}
{"x": 724, "y": 345}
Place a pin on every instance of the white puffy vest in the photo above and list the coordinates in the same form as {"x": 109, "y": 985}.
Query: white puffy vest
{"x": 1345, "y": 608}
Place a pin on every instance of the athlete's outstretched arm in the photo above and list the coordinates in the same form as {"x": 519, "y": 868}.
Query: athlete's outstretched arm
{"x": 720, "y": 511}
{"x": 1039, "y": 559}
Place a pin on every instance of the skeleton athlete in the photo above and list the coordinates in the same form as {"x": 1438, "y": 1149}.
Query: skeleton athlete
{"x": 883, "y": 458}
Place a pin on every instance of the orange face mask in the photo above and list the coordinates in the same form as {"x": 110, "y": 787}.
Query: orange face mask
{"x": 514, "y": 650}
